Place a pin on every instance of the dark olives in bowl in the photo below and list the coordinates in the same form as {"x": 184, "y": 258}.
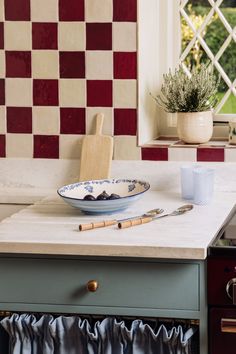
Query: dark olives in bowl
{"x": 114, "y": 196}
{"x": 89, "y": 197}
{"x": 102, "y": 196}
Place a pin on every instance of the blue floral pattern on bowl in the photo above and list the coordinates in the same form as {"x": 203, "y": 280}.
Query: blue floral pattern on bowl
{"x": 89, "y": 189}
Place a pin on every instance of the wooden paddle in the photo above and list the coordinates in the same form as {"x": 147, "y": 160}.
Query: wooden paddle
{"x": 96, "y": 154}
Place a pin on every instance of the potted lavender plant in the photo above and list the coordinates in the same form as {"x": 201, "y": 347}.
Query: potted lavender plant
{"x": 193, "y": 99}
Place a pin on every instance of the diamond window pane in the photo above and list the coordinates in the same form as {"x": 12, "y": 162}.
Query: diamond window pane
{"x": 222, "y": 88}
{"x": 230, "y": 105}
{"x": 229, "y": 12}
{"x": 228, "y": 60}
{"x": 201, "y": 8}
{"x": 196, "y": 57}
{"x": 215, "y": 34}
{"x": 209, "y": 35}
{"x": 187, "y": 34}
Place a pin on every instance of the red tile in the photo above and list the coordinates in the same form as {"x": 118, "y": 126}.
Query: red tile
{"x": 18, "y": 64}
{"x": 2, "y": 92}
{"x": 210, "y": 154}
{"x": 46, "y": 146}
{"x": 72, "y": 120}
{"x": 72, "y": 65}
{"x": 98, "y": 36}
{"x": 155, "y": 154}
{"x": 125, "y": 65}
{"x": 99, "y": 93}
{"x": 17, "y": 10}
{"x": 71, "y": 10}
{"x": 19, "y": 120}
{"x": 125, "y": 121}
{"x": 125, "y": 10}
{"x": 1, "y": 35}
{"x": 2, "y": 146}
{"x": 45, "y": 92}
{"x": 44, "y": 36}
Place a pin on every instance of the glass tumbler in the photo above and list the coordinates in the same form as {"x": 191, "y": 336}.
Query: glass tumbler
{"x": 203, "y": 185}
{"x": 186, "y": 176}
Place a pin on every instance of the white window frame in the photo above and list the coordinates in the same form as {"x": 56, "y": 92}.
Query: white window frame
{"x": 159, "y": 49}
{"x": 158, "y": 32}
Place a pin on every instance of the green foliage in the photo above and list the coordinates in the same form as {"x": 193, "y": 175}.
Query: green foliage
{"x": 180, "y": 93}
{"x": 196, "y": 54}
{"x": 225, "y": 3}
{"x": 230, "y": 104}
{"x": 215, "y": 34}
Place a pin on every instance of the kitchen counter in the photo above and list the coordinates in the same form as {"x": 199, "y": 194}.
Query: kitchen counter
{"x": 51, "y": 227}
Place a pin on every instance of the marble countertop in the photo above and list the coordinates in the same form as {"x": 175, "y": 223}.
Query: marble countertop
{"x": 51, "y": 227}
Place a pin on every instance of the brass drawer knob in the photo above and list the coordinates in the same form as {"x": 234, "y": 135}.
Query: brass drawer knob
{"x": 92, "y": 285}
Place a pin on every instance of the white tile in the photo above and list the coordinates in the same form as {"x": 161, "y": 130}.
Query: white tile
{"x": 46, "y": 120}
{"x": 108, "y": 126}
{"x": 2, "y": 17}
{"x": 72, "y": 93}
{"x": 45, "y": 64}
{"x": 2, "y": 63}
{"x": 17, "y": 35}
{"x": 230, "y": 155}
{"x": 125, "y": 148}
{"x": 70, "y": 146}
{"x": 162, "y": 142}
{"x": 71, "y": 36}
{"x": 99, "y": 65}
{"x": 18, "y": 92}
{"x": 3, "y": 120}
{"x": 44, "y": 10}
{"x": 124, "y": 36}
{"x": 125, "y": 93}
{"x": 182, "y": 154}
{"x": 19, "y": 145}
{"x": 98, "y": 10}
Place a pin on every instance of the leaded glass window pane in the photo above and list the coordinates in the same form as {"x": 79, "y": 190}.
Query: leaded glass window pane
{"x": 208, "y": 34}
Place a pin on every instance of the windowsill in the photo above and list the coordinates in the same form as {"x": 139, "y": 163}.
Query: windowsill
{"x": 174, "y": 142}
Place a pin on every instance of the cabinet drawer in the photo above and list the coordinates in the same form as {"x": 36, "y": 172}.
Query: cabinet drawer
{"x": 121, "y": 283}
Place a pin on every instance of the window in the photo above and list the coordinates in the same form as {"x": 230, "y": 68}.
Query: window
{"x": 208, "y": 33}
{"x": 162, "y": 46}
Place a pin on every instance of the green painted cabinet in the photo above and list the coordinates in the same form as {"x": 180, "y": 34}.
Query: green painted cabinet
{"x": 135, "y": 287}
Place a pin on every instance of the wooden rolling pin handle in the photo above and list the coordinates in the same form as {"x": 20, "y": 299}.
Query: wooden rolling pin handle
{"x": 133, "y": 222}
{"x": 96, "y": 225}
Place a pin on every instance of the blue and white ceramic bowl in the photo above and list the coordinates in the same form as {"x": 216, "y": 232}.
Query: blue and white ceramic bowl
{"x": 129, "y": 191}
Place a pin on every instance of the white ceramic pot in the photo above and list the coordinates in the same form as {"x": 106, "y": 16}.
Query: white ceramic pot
{"x": 195, "y": 127}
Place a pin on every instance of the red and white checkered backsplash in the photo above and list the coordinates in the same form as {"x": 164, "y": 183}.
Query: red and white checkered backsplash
{"x": 63, "y": 61}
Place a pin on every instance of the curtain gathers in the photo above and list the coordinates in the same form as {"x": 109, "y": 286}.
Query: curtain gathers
{"x": 30, "y": 334}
